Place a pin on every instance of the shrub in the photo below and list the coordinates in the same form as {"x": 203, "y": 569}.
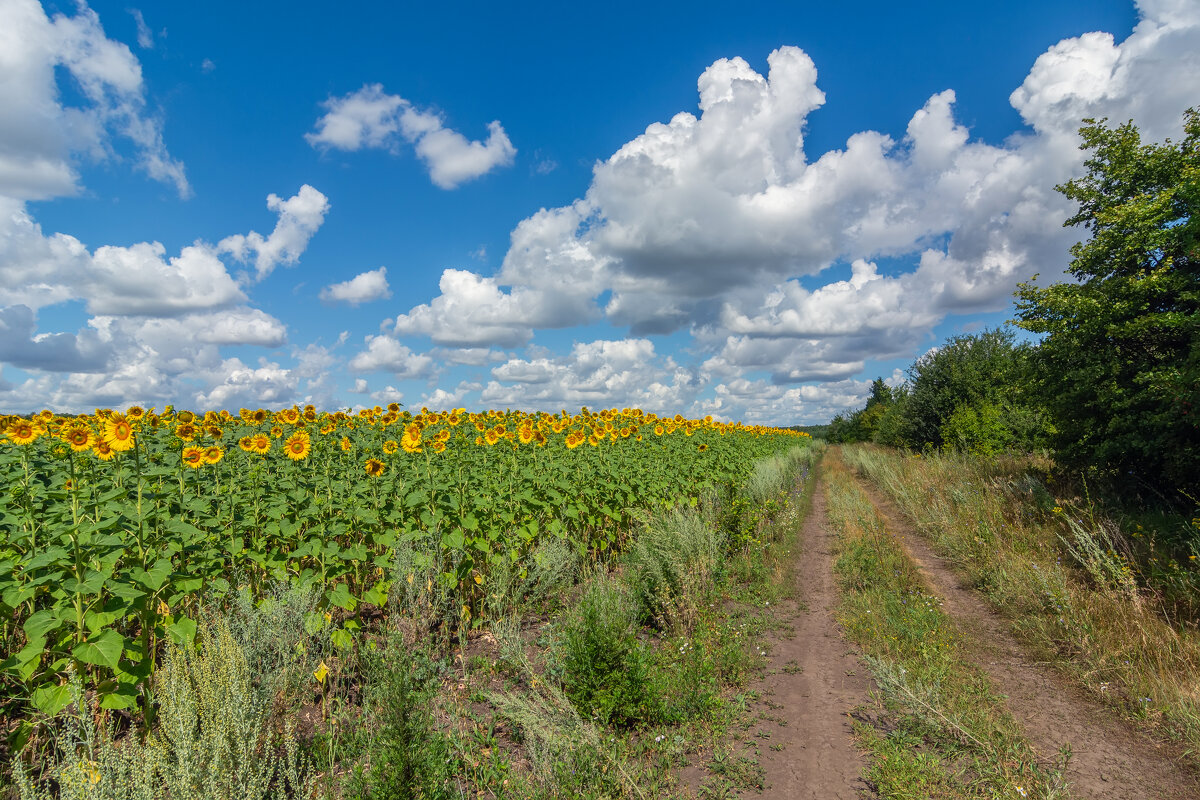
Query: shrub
{"x": 604, "y": 666}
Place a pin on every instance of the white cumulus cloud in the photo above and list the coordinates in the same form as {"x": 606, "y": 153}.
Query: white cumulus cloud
{"x": 362, "y": 288}
{"x": 372, "y": 118}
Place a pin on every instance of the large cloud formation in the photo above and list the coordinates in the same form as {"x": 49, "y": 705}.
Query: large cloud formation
{"x": 709, "y": 222}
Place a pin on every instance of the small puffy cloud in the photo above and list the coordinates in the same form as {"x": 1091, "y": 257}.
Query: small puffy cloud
{"x": 40, "y": 136}
{"x": 362, "y": 288}
{"x": 299, "y": 218}
{"x": 386, "y": 354}
{"x": 268, "y": 384}
{"x": 474, "y": 311}
{"x": 139, "y": 280}
{"x": 371, "y": 118}
{"x": 604, "y": 373}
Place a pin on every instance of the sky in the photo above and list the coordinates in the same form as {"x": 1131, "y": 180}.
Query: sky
{"x": 749, "y": 212}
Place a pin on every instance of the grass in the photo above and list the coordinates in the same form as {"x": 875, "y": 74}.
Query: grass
{"x": 1078, "y": 588}
{"x": 941, "y": 729}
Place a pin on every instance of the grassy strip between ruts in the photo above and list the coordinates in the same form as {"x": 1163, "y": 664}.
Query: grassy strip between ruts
{"x": 939, "y": 730}
{"x": 594, "y": 680}
{"x": 1110, "y": 602}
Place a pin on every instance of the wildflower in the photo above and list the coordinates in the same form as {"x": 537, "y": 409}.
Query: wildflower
{"x": 298, "y": 446}
{"x": 321, "y": 672}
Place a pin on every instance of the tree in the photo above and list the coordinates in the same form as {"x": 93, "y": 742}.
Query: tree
{"x": 860, "y": 425}
{"x": 983, "y": 378}
{"x": 1119, "y": 366}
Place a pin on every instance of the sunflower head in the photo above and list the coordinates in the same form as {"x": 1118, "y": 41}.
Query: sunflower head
{"x": 213, "y": 454}
{"x": 186, "y": 416}
{"x": 261, "y": 443}
{"x": 374, "y": 467}
{"x": 390, "y": 446}
{"x": 246, "y": 443}
{"x": 118, "y": 433}
{"x": 103, "y": 451}
{"x": 193, "y": 457}
{"x": 23, "y": 431}
{"x": 346, "y": 444}
{"x": 186, "y": 431}
{"x": 79, "y": 438}
{"x": 298, "y": 446}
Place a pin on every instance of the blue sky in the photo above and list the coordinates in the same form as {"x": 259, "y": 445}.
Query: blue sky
{"x": 749, "y": 212}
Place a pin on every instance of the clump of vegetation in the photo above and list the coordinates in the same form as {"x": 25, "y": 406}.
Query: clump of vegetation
{"x": 1080, "y": 591}
{"x": 605, "y": 668}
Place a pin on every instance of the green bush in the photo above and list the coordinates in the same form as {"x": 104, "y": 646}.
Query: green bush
{"x": 408, "y": 757}
{"x": 605, "y": 668}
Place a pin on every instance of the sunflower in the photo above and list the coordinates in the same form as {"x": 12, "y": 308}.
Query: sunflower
{"x": 703, "y": 447}
{"x": 411, "y": 440}
{"x": 289, "y": 416}
{"x": 80, "y": 438}
{"x": 213, "y": 454}
{"x": 261, "y": 443}
{"x": 215, "y": 432}
{"x": 374, "y": 467}
{"x": 525, "y": 434}
{"x": 193, "y": 457}
{"x": 658, "y": 430}
{"x": 23, "y": 431}
{"x": 394, "y": 407}
{"x": 594, "y": 440}
{"x": 329, "y": 427}
{"x": 186, "y": 431}
{"x": 298, "y": 446}
{"x": 186, "y": 416}
{"x": 246, "y": 443}
{"x": 276, "y": 431}
{"x": 346, "y": 444}
{"x": 135, "y": 412}
{"x": 118, "y": 433}
{"x": 438, "y": 447}
{"x": 492, "y": 436}
{"x": 103, "y": 451}
{"x": 258, "y": 416}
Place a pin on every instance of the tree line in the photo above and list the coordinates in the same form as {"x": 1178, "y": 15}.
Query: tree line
{"x": 1112, "y": 386}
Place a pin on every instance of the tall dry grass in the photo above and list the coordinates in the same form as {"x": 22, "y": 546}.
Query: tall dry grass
{"x": 1059, "y": 572}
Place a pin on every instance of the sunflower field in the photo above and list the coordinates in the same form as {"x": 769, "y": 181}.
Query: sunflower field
{"x": 116, "y": 526}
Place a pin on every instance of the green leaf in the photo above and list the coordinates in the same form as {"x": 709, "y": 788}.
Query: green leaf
{"x": 41, "y": 623}
{"x": 50, "y": 698}
{"x": 183, "y": 630}
{"x": 340, "y": 596}
{"x": 103, "y": 650}
{"x": 377, "y": 595}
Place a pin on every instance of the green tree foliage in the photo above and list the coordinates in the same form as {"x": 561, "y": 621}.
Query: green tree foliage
{"x": 972, "y": 393}
{"x": 860, "y": 426}
{"x": 1119, "y": 366}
